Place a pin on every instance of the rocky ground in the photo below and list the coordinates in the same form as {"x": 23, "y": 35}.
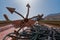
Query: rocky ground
{"x": 9, "y": 28}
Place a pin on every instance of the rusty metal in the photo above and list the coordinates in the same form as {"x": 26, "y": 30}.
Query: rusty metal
{"x": 11, "y": 9}
{"x": 6, "y": 17}
{"x": 28, "y": 6}
{"x": 21, "y": 23}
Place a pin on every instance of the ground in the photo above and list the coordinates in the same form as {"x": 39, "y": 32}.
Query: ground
{"x": 9, "y": 28}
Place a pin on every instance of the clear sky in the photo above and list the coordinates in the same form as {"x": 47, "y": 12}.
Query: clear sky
{"x": 37, "y": 7}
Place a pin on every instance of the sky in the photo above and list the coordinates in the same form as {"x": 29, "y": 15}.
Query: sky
{"x": 45, "y": 7}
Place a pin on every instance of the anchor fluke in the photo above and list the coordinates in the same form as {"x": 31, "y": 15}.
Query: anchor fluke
{"x": 6, "y": 17}
{"x": 28, "y": 6}
{"x": 11, "y": 9}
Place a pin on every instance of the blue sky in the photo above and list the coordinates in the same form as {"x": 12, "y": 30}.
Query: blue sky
{"x": 37, "y": 7}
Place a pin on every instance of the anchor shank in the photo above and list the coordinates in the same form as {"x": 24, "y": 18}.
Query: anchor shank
{"x": 27, "y": 13}
{"x": 28, "y": 6}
